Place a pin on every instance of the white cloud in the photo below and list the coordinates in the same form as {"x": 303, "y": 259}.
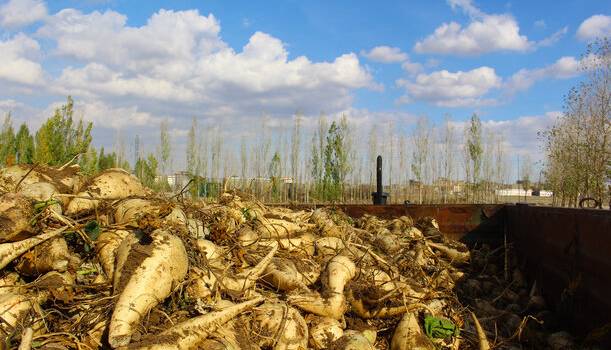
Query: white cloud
{"x": 597, "y": 26}
{"x": 492, "y": 33}
{"x": 485, "y": 33}
{"x": 385, "y": 54}
{"x": 540, "y": 24}
{"x": 20, "y": 13}
{"x": 18, "y": 61}
{"x": 412, "y": 67}
{"x": 106, "y": 116}
{"x": 467, "y": 6}
{"x": 521, "y": 133}
{"x": 178, "y": 57}
{"x": 554, "y": 38}
{"x": 452, "y": 89}
{"x": 167, "y": 37}
{"x": 564, "y": 68}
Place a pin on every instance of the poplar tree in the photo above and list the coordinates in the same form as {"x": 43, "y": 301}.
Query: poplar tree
{"x": 165, "y": 147}
{"x": 420, "y": 154}
{"x": 58, "y": 140}
{"x": 192, "y": 156}
{"x": 474, "y": 151}
{"x": 24, "y": 145}
{"x": 7, "y": 142}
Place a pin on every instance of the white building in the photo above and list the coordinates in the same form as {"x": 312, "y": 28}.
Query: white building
{"x": 513, "y": 192}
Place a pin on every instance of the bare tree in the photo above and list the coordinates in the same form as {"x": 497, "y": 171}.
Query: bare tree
{"x": 391, "y": 137}
{"x": 119, "y": 147}
{"x": 448, "y": 153}
{"x": 420, "y": 154}
{"x": 204, "y": 152}
{"x": 295, "y": 146}
{"x": 372, "y": 155}
{"x": 403, "y": 162}
{"x": 500, "y": 161}
{"x": 165, "y": 147}
{"x": 192, "y": 156}
{"x": 216, "y": 154}
{"x": 243, "y": 158}
{"x": 474, "y": 151}
{"x": 526, "y": 173}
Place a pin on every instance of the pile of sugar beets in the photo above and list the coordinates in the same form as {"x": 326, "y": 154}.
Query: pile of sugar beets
{"x": 103, "y": 262}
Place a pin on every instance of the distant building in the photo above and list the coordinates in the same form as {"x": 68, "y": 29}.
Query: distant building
{"x": 513, "y": 192}
{"x": 542, "y": 193}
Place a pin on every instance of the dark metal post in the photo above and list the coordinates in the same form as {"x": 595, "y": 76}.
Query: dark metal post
{"x": 379, "y": 197}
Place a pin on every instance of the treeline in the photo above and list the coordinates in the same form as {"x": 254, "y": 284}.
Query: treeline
{"x": 59, "y": 140}
{"x": 332, "y": 161}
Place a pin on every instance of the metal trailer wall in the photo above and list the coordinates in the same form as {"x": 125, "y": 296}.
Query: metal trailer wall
{"x": 470, "y": 223}
{"x": 568, "y": 252}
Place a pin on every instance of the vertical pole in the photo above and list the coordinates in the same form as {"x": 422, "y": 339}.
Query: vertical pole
{"x": 379, "y": 196}
{"x": 379, "y": 188}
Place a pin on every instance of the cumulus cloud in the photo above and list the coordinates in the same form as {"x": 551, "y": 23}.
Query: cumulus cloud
{"x": 167, "y": 37}
{"x": 452, "y": 89}
{"x": 490, "y": 33}
{"x": 18, "y": 61}
{"x": 597, "y": 26}
{"x": 20, "y": 13}
{"x": 564, "y": 68}
{"x": 485, "y": 33}
{"x": 178, "y": 58}
{"x": 104, "y": 115}
{"x": 385, "y": 54}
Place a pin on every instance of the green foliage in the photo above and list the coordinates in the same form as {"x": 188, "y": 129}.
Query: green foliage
{"x": 192, "y": 156}
{"x": 58, "y": 140}
{"x": 274, "y": 174}
{"x": 474, "y": 144}
{"x": 165, "y": 146}
{"x": 7, "y": 142}
{"x": 89, "y": 162}
{"x": 146, "y": 170}
{"x": 578, "y": 145}
{"x": 24, "y": 146}
{"x": 106, "y": 161}
{"x": 336, "y": 164}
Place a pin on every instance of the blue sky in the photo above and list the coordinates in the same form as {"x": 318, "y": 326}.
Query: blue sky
{"x": 131, "y": 64}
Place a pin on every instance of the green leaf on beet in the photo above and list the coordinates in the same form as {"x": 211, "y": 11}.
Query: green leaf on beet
{"x": 41, "y": 205}
{"x": 92, "y": 229}
{"x": 440, "y": 328}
